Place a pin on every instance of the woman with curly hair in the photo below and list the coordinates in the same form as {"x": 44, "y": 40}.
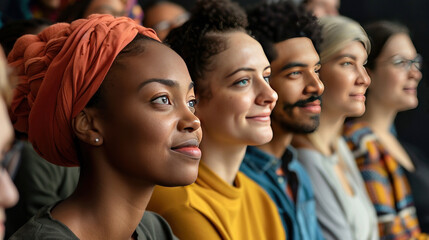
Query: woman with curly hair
{"x": 95, "y": 94}
{"x": 231, "y": 74}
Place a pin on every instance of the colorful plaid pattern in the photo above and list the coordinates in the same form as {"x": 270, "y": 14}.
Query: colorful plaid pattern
{"x": 386, "y": 183}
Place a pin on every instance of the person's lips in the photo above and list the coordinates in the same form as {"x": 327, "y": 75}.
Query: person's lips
{"x": 358, "y": 96}
{"x": 412, "y": 90}
{"x": 260, "y": 117}
{"x": 312, "y": 107}
{"x": 189, "y": 148}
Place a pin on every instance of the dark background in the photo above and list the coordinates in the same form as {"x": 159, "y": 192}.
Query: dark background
{"x": 413, "y": 125}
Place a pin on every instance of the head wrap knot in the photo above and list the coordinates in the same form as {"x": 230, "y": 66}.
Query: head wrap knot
{"x": 59, "y": 70}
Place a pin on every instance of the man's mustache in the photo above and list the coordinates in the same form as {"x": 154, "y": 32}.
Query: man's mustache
{"x": 302, "y": 103}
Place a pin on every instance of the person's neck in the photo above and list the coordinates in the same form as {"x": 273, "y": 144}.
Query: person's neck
{"x": 222, "y": 158}
{"x": 281, "y": 140}
{"x": 379, "y": 117}
{"x": 106, "y": 201}
{"x": 328, "y": 131}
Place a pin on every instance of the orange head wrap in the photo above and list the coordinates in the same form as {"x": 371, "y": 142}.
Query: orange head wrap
{"x": 60, "y": 69}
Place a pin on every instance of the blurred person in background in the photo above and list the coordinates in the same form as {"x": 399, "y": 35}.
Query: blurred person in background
{"x": 13, "y": 30}
{"x": 9, "y": 149}
{"x": 163, "y": 16}
{"x": 392, "y": 176}
{"x": 117, "y": 8}
{"x": 39, "y": 182}
{"x": 320, "y": 8}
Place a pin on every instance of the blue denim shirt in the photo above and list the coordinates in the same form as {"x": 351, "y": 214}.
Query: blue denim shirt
{"x": 299, "y": 219}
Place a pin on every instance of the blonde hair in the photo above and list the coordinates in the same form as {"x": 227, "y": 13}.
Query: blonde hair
{"x": 337, "y": 32}
{"x": 5, "y": 79}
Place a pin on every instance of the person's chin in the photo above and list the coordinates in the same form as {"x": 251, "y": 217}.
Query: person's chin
{"x": 263, "y": 136}
{"x": 357, "y": 112}
{"x": 408, "y": 105}
{"x": 186, "y": 178}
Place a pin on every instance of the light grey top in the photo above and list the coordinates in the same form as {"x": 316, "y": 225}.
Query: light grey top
{"x": 340, "y": 215}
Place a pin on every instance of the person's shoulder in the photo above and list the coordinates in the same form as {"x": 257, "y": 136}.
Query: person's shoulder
{"x": 41, "y": 226}
{"x": 153, "y": 226}
{"x": 162, "y": 198}
{"x": 252, "y": 189}
{"x": 356, "y": 130}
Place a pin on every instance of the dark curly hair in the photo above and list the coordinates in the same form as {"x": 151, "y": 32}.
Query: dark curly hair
{"x": 200, "y": 38}
{"x": 272, "y": 23}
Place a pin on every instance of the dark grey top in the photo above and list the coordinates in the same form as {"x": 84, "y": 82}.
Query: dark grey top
{"x": 43, "y": 226}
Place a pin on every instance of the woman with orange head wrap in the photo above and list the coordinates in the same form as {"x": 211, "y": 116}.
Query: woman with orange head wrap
{"x": 97, "y": 93}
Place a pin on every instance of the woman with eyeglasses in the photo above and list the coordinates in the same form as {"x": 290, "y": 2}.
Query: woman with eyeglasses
{"x": 394, "y": 67}
{"x": 163, "y": 16}
{"x": 9, "y": 152}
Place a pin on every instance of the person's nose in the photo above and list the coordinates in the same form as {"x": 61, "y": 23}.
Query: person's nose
{"x": 188, "y": 121}
{"x": 363, "y": 77}
{"x": 265, "y": 94}
{"x": 314, "y": 85}
{"x": 415, "y": 73}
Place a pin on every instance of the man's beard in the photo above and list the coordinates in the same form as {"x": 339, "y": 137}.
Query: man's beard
{"x": 299, "y": 127}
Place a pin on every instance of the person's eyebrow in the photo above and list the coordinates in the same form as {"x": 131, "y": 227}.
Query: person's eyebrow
{"x": 241, "y": 69}
{"x": 269, "y": 66}
{"x": 191, "y": 85}
{"x": 166, "y": 82}
{"x": 346, "y": 56}
{"x": 293, "y": 64}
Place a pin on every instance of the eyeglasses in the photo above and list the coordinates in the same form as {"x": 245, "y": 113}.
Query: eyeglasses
{"x": 401, "y": 62}
{"x": 11, "y": 159}
{"x": 165, "y": 25}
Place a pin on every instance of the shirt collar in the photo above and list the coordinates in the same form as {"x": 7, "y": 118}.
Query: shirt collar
{"x": 261, "y": 161}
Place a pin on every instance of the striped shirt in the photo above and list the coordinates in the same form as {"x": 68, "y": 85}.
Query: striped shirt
{"x": 385, "y": 182}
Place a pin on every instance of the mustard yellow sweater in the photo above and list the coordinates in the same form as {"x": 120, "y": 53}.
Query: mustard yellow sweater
{"x": 213, "y": 209}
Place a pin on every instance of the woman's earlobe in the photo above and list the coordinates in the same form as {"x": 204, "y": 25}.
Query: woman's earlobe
{"x": 85, "y": 129}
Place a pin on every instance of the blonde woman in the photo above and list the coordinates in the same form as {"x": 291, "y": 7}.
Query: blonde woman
{"x": 343, "y": 208}
{"x": 394, "y": 66}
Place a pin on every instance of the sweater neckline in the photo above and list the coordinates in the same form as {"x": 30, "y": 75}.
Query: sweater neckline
{"x": 209, "y": 179}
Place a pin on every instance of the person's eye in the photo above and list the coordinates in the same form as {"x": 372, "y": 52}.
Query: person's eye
{"x": 295, "y": 74}
{"x": 418, "y": 65}
{"x": 267, "y": 78}
{"x": 399, "y": 62}
{"x": 346, "y": 64}
{"x": 317, "y": 70}
{"x": 242, "y": 82}
{"x": 191, "y": 104}
{"x": 161, "y": 100}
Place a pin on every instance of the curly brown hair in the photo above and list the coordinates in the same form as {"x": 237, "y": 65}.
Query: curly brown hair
{"x": 201, "y": 37}
{"x": 272, "y": 23}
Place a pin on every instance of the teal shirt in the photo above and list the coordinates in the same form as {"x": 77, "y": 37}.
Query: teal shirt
{"x": 299, "y": 218}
